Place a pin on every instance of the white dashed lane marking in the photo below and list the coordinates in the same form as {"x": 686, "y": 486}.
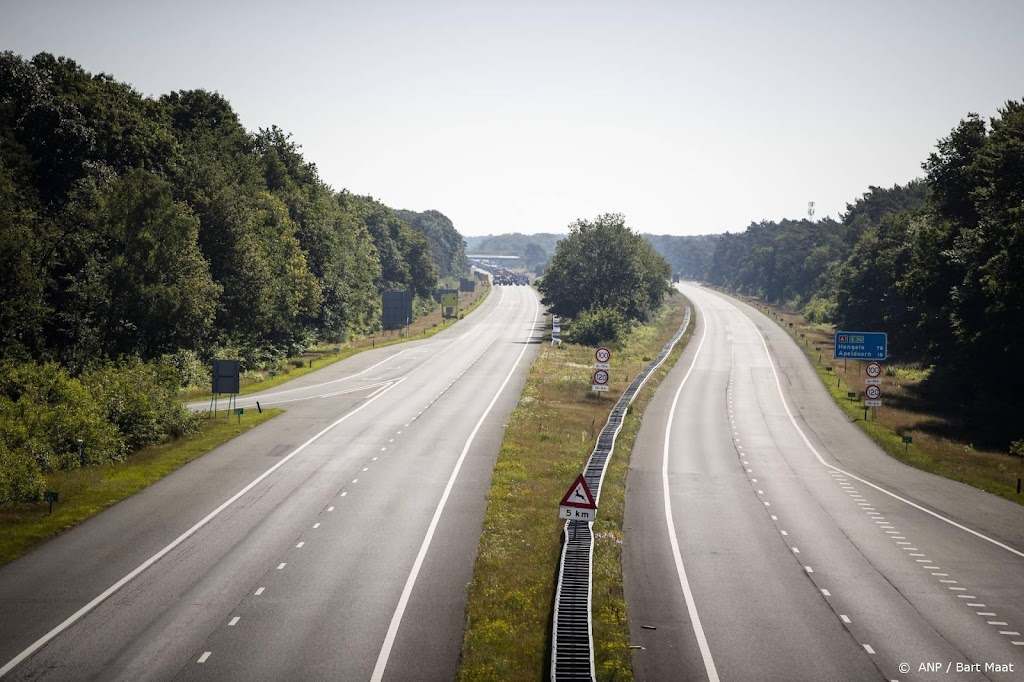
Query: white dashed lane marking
{"x": 234, "y": 621}
{"x": 206, "y": 655}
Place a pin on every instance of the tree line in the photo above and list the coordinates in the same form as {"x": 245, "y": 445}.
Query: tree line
{"x": 160, "y": 230}
{"x": 937, "y": 264}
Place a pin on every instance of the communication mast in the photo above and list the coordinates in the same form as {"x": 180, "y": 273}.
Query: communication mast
{"x": 810, "y": 210}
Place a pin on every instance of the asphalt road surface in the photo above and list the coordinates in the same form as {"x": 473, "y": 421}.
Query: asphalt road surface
{"x": 333, "y": 542}
{"x": 768, "y": 539}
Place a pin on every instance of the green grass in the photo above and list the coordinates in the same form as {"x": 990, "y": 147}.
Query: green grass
{"x": 86, "y": 492}
{"x": 323, "y": 355}
{"x": 550, "y": 435}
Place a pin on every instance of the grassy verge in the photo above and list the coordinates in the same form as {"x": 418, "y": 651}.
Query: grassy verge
{"x": 549, "y": 437}
{"x": 86, "y": 492}
{"x": 320, "y": 356}
{"x": 936, "y": 446}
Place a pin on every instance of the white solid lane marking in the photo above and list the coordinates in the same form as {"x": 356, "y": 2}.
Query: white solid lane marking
{"x": 259, "y": 591}
{"x": 867, "y": 648}
{"x": 396, "y": 618}
{"x": 234, "y": 621}
{"x": 70, "y": 620}
{"x": 206, "y": 655}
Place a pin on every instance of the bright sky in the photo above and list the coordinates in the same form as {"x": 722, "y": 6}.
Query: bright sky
{"x": 688, "y": 117}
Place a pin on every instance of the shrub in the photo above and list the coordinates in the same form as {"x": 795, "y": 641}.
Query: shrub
{"x": 595, "y": 327}
{"x": 140, "y": 399}
{"x": 192, "y": 371}
{"x": 43, "y": 412}
{"x": 819, "y": 309}
{"x": 20, "y": 478}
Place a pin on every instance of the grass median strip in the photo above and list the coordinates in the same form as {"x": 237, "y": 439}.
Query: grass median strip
{"x": 549, "y": 437}
{"x": 86, "y": 492}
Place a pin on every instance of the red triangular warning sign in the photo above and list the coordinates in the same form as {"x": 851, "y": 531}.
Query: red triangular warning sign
{"x": 579, "y": 495}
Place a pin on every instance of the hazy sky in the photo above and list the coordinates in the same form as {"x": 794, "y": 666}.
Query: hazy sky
{"x": 688, "y": 117}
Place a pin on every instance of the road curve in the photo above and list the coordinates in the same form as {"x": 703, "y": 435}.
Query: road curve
{"x": 334, "y": 542}
{"x": 768, "y": 539}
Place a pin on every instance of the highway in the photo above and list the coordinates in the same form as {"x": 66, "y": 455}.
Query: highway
{"x": 767, "y": 538}
{"x": 333, "y": 542}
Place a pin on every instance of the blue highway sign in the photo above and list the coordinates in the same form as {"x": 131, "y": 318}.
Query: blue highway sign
{"x": 861, "y": 345}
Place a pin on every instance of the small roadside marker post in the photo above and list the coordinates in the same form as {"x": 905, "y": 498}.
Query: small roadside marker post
{"x": 52, "y": 496}
{"x": 907, "y": 440}
{"x": 239, "y": 411}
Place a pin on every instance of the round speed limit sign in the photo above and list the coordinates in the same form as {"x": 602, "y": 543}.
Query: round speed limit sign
{"x": 601, "y": 377}
{"x": 603, "y": 354}
{"x": 873, "y": 392}
{"x": 873, "y": 369}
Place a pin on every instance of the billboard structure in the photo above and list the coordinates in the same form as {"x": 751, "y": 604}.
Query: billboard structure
{"x": 396, "y": 309}
{"x": 225, "y": 375}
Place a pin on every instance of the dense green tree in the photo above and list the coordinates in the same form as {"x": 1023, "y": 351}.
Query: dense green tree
{"x": 23, "y": 308}
{"x": 604, "y": 264}
{"x": 158, "y": 294}
{"x": 446, "y": 245}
